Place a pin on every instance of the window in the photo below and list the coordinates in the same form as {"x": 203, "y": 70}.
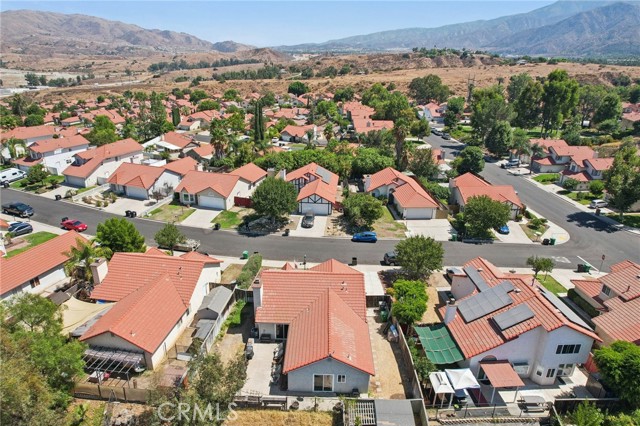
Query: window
{"x": 539, "y": 371}
{"x": 606, "y": 290}
{"x": 323, "y": 382}
{"x": 551, "y": 372}
{"x": 342, "y": 378}
{"x": 568, "y": 349}
{"x": 34, "y": 282}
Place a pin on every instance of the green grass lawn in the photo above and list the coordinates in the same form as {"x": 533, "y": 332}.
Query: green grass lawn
{"x": 551, "y": 284}
{"x": 22, "y": 184}
{"x": 33, "y": 240}
{"x": 387, "y": 227}
{"x": 585, "y": 197}
{"x": 81, "y": 190}
{"x": 171, "y": 213}
{"x": 628, "y": 219}
{"x": 531, "y": 233}
{"x": 547, "y": 178}
{"x": 228, "y": 219}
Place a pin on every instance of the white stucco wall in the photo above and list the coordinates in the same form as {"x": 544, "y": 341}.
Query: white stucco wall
{"x": 47, "y": 281}
{"x": 301, "y": 380}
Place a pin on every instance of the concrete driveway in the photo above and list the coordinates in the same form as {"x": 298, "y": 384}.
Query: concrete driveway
{"x": 438, "y": 229}
{"x": 317, "y": 231}
{"x": 515, "y": 236}
{"x": 123, "y": 203}
{"x": 201, "y": 218}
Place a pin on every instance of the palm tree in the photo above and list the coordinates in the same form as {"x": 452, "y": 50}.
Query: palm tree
{"x": 520, "y": 143}
{"x": 400, "y": 132}
{"x": 219, "y": 141}
{"x": 537, "y": 150}
{"x": 80, "y": 257}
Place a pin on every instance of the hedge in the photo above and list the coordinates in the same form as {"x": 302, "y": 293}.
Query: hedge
{"x": 249, "y": 271}
{"x": 583, "y": 304}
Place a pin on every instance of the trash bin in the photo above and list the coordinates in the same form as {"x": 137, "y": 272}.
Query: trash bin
{"x": 354, "y": 261}
{"x": 133, "y": 213}
{"x": 245, "y": 254}
{"x": 552, "y": 241}
{"x": 454, "y": 237}
{"x": 580, "y": 267}
{"x": 384, "y": 315}
{"x": 127, "y": 213}
{"x": 598, "y": 212}
{"x": 545, "y": 242}
{"x": 587, "y": 268}
{"x": 216, "y": 226}
{"x": 58, "y": 197}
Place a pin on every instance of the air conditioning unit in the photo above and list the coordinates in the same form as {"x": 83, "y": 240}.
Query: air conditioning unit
{"x": 522, "y": 368}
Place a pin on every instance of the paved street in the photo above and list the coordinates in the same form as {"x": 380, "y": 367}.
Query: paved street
{"x": 589, "y": 237}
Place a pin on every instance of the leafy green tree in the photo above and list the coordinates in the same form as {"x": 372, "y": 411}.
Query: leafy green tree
{"x": 488, "y": 107}
{"x": 470, "y": 159}
{"x": 570, "y": 184}
{"x": 297, "y": 88}
{"x": 169, "y": 236}
{"x": 103, "y": 131}
{"x": 197, "y": 95}
{"x": 369, "y": 161}
{"x": 453, "y": 114}
{"x": 344, "y": 94}
{"x": 608, "y": 126}
{"x": 540, "y": 264}
{"x": 422, "y": 163}
{"x": 258, "y": 123}
{"x": 517, "y": 84}
{"x": 587, "y": 414}
{"x": 499, "y": 139}
{"x": 609, "y": 109}
{"x": 589, "y": 100}
{"x": 634, "y": 94}
{"x": 120, "y": 235}
{"x": 410, "y": 301}
{"x": 207, "y": 105}
{"x": 275, "y": 198}
{"x": 482, "y": 214}
{"x": 527, "y": 106}
{"x": 158, "y": 123}
{"x": 419, "y": 128}
{"x": 520, "y": 142}
{"x": 596, "y": 187}
{"x": 559, "y": 100}
{"x": 619, "y": 365}
{"x": 362, "y": 210}
{"x": 419, "y": 256}
{"x": 37, "y": 175}
{"x": 428, "y": 89}
{"x": 231, "y": 95}
{"x": 34, "y": 120}
{"x": 175, "y": 116}
{"x": 572, "y": 133}
{"x": 622, "y": 180}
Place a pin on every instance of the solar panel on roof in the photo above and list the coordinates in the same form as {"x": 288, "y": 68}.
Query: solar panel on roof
{"x": 484, "y": 303}
{"x": 476, "y": 278}
{"x": 513, "y": 316}
{"x": 562, "y": 307}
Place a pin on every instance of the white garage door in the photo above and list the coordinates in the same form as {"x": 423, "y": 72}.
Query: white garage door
{"x": 75, "y": 181}
{"x": 317, "y": 208}
{"x": 211, "y": 202}
{"x": 135, "y": 192}
{"x": 418, "y": 213}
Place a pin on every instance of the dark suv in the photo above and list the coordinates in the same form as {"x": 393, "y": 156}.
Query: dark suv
{"x": 17, "y": 209}
{"x": 390, "y": 258}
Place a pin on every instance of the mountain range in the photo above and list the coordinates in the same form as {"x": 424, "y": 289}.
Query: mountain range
{"x": 564, "y": 28}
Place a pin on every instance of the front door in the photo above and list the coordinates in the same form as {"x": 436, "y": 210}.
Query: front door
{"x": 565, "y": 370}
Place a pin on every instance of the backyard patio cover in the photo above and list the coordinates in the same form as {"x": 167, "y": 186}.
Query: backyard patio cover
{"x": 501, "y": 374}
{"x": 462, "y": 378}
{"x": 440, "y": 385}
{"x": 438, "y": 344}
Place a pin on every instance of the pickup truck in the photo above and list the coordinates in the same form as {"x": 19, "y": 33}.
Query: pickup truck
{"x": 186, "y": 245}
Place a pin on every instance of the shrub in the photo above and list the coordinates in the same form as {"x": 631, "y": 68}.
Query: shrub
{"x": 596, "y": 187}
{"x": 535, "y": 223}
{"x": 249, "y": 271}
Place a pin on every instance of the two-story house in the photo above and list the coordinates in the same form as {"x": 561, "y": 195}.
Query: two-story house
{"x": 54, "y": 154}
{"x": 585, "y": 170}
{"x": 470, "y": 185}
{"x": 172, "y": 143}
{"x": 317, "y": 188}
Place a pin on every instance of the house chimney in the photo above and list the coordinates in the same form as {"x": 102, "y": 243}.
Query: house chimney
{"x": 99, "y": 270}
{"x": 367, "y": 182}
{"x": 257, "y": 293}
{"x": 450, "y": 312}
{"x": 282, "y": 174}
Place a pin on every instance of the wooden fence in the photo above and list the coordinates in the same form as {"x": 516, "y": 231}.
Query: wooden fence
{"x": 242, "y": 201}
{"x": 111, "y": 393}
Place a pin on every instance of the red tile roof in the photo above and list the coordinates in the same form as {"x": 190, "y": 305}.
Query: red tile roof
{"x": 195, "y": 182}
{"x": 320, "y": 188}
{"x": 364, "y": 125}
{"x": 577, "y": 153}
{"x": 113, "y": 116}
{"x": 136, "y": 175}
{"x": 501, "y": 374}
{"x": 297, "y": 131}
{"x": 616, "y": 267}
{"x": 95, "y": 157}
{"x": 145, "y": 316}
{"x": 471, "y": 185}
{"x": 182, "y": 166}
{"x": 155, "y": 252}
{"x": 624, "y": 281}
{"x": 48, "y": 145}
{"x": 204, "y": 150}
{"x": 19, "y": 269}
{"x": 194, "y": 255}
{"x": 327, "y": 327}
{"x": 333, "y": 265}
{"x": 178, "y": 139}
{"x": 591, "y": 288}
{"x": 600, "y": 164}
{"x": 481, "y": 335}
{"x": 579, "y": 176}
{"x": 313, "y": 169}
{"x": 546, "y": 143}
{"x": 250, "y": 172}
{"x": 129, "y": 272}
{"x": 408, "y": 192}
{"x": 622, "y": 321}
{"x": 29, "y": 132}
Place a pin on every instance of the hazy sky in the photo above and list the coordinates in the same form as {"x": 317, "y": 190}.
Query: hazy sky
{"x": 270, "y": 23}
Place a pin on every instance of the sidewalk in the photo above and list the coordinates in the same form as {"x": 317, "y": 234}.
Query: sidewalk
{"x": 554, "y": 231}
{"x": 554, "y": 189}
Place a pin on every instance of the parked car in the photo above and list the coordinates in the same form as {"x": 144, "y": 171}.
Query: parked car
{"x": 390, "y": 258}
{"x": 248, "y": 350}
{"x": 446, "y": 136}
{"x": 596, "y": 204}
{"x": 73, "y": 225}
{"x": 436, "y": 132}
{"x": 17, "y": 209}
{"x": 308, "y": 219}
{"x": 20, "y": 228}
{"x": 11, "y": 175}
{"x": 365, "y": 237}
{"x": 504, "y": 230}
{"x": 514, "y": 162}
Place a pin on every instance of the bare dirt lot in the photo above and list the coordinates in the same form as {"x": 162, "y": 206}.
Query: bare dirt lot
{"x": 280, "y": 418}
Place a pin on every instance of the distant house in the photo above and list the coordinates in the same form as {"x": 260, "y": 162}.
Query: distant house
{"x": 469, "y": 185}
{"x": 630, "y": 115}
{"x": 501, "y": 316}
{"x": 111, "y": 115}
{"x": 54, "y": 154}
{"x": 434, "y": 112}
{"x": 317, "y": 188}
{"x": 157, "y": 297}
{"x": 250, "y": 177}
{"x": 321, "y": 314}
{"x": 39, "y": 270}
{"x": 141, "y": 181}
{"x": 94, "y": 166}
{"x": 410, "y": 199}
{"x": 298, "y": 134}
{"x": 360, "y": 117}
{"x": 173, "y": 143}
{"x": 199, "y": 119}
{"x": 202, "y": 154}
{"x": 210, "y": 190}
{"x": 617, "y": 297}
{"x": 30, "y": 134}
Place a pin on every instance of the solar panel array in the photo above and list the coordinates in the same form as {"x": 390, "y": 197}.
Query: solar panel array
{"x": 484, "y": 303}
{"x": 562, "y": 307}
{"x": 476, "y": 278}
{"x": 513, "y": 316}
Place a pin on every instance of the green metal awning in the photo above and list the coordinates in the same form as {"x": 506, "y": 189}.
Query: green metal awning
{"x": 438, "y": 344}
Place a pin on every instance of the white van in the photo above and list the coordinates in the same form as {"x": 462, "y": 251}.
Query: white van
{"x": 11, "y": 175}
{"x": 596, "y": 204}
